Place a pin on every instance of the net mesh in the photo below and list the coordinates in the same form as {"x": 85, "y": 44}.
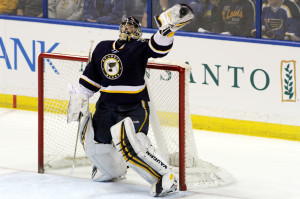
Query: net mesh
{"x": 163, "y": 86}
{"x": 164, "y": 93}
{"x": 59, "y": 136}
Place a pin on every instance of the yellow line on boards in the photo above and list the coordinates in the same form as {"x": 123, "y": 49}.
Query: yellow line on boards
{"x": 244, "y": 127}
{"x": 224, "y": 125}
{"x": 6, "y": 101}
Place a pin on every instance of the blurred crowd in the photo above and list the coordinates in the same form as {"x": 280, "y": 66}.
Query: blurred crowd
{"x": 280, "y": 19}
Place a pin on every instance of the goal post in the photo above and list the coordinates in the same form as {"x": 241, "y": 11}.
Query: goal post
{"x": 181, "y": 122}
{"x": 41, "y": 64}
{"x": 170, "y": 127}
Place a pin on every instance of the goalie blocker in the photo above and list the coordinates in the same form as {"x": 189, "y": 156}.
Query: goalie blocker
{"x": 142, "y": 157}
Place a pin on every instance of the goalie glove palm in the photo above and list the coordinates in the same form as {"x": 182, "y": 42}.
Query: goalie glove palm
{"x": 174, "y": 18}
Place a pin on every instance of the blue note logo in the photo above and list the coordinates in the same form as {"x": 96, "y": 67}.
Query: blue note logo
{"x": 288, "y": 81}
{"x": 111, "y": 66}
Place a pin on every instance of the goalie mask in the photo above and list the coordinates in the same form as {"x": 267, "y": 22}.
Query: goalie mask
{"x": 131, "y": 27}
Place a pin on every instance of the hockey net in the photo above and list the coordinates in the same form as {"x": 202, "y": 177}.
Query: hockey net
{"x": 170, "y": 120}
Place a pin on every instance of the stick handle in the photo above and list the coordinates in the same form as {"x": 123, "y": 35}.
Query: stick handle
{"x": 75, "y": 150}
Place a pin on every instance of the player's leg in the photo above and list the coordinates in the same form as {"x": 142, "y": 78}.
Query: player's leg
{"x": 139, "y": 114}
{"x": 103, "y": 118}
{"x": 141, "y": 156}
{"x": 101, "y": 152}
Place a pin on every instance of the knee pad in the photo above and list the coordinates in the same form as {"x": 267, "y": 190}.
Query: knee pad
{"x": 104, "y": 156}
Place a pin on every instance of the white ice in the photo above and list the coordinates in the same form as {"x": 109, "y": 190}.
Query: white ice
{"x": 263, "y": 168}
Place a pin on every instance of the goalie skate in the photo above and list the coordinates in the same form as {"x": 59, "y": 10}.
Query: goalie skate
{"x": 172, "y": 190}
{"x": 98, "y": 176}
{"x": 164, "y": 186}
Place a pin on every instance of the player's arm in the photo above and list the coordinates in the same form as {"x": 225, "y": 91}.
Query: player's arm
{"x": 79, "y": 96}
{"x": 90, "y": 79}
{"x": 159, "y": 45}
{"x": 168, "y": 22}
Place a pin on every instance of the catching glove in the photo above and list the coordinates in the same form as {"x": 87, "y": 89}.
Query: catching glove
{"x": 173, "y": 19}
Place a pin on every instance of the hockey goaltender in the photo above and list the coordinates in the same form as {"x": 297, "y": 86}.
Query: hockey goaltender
{"x": 115, "y": 137}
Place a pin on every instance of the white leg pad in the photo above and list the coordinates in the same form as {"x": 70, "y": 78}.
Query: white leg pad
{"x": 104, "y": 156}
{"x": 141, "y": 156}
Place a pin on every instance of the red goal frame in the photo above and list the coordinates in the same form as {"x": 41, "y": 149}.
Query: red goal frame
{"x": 180, "y": 70}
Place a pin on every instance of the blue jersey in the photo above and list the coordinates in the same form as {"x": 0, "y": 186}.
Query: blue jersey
{"x": 235, "y": 17}
{"x": 282, "y": 20}
{"x": 119, "y": 73}
{"x": 207, "y": 16}
{"x": 103, "y": 11}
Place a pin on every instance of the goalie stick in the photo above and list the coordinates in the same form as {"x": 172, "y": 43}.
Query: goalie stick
{"x": 78, "y": 129}
{"x": 80, "y": 116}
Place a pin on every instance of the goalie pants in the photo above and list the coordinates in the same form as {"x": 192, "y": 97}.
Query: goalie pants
{"x": 107, "y": 115}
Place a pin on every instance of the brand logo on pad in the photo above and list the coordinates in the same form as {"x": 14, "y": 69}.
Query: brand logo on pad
{"x": 111, "y": 66}
{"x": 288, "y": 81}
{"x": 157, "y": 160}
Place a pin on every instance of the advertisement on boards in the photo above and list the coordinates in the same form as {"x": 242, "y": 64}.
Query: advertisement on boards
{"x": 229, "y": 79}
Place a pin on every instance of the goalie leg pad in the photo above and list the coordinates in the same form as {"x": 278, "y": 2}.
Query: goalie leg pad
{"x": 141, "y": 156}
{"x": 104, "y": 156}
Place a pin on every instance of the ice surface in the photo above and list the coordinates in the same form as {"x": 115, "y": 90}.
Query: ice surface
{"x": 263, "y": 168}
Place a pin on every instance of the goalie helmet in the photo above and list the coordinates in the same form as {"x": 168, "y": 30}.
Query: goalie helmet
{"x": 132, "y": 27}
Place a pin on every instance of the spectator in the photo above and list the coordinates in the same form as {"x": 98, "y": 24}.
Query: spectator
{"x": 8, "y": 6}
{"x": 65, "y": 9}
{"x": 135, "y": 8}
{"x": 235, "y": 17}
{"x": 207, "y": 16}
{"x": 297, "y": 2}
{"x": 280, "y": 20}
{"x": 157, "y": 8}
{"x": 103, "y": 11}
{"x": 33, "y": 8}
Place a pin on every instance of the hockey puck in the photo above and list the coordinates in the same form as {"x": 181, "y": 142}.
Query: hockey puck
{"x": 183, "y": 11}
